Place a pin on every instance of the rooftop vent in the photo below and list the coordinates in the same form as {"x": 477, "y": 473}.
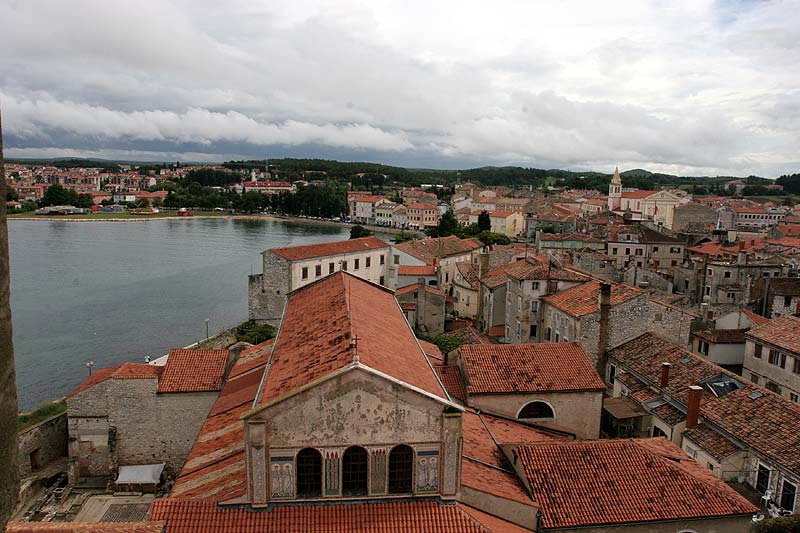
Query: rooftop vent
{"x": 722, "y": 384}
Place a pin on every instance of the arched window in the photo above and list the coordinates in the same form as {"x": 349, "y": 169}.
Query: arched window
{"x": 309, "y": 473}
{"x": 401, "y": 468}
{"x": 536, "y": 410}
{"x": 354, "y": 471}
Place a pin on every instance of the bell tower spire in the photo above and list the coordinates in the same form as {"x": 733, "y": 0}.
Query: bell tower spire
{"x": 615, "y": 191}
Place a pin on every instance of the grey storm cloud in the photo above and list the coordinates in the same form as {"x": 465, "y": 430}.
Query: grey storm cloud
{"x": 695, "y": 86}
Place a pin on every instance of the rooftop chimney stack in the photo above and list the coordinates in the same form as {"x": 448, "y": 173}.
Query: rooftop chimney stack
{"x": 602, "y": 337}
{"x": 665, "y": 374}
{"x": 693, "y": 408}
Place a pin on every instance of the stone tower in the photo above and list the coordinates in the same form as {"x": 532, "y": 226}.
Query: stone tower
{"x": 615, "y": 192}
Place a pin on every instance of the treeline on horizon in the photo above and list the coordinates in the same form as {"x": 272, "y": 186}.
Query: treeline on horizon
{"x": 376, "y": 176}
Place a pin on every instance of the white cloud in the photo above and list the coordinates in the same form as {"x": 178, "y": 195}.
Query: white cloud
{"x": 699, "y": 85}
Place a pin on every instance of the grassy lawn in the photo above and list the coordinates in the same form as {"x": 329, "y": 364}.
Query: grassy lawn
{"x": 120, "y": 216}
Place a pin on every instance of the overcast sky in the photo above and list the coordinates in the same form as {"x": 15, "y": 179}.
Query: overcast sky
{"x": 690, "y": 87}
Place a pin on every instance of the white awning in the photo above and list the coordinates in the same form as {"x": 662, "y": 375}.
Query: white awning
{"x": 140, "y": 474}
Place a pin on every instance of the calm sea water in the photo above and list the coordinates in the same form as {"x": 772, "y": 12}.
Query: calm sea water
{"x": 112, "y": 292}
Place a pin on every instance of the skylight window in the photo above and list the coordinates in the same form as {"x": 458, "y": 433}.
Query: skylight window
{"x": 722, "y": 384}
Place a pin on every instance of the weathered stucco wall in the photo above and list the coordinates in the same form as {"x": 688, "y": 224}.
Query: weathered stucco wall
{"x": 577, "y": 412}
{"x": 354, "y": 408}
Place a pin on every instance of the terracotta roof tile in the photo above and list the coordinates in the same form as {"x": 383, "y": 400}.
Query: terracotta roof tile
{"x": 535, "y": 269}
{"x": 584, "y": 299}
{"x": 193, "y": 370}
{"x": 192, "y": 516}
{"x": 85, "y": 527}
{"x": 711, "y": 441}
{"x": 414, "y": 286}
{"x": 537, "y": 367}
{"x": 324, "y": 249}
{"x": 338, "y": 309}
{"x": 757, "y": 319}
{"x": 432, "y": 249}
{"x": 416, "y": 270}
{"x": 215, "y": 466}
{"x": 431, "y": 350}
{"x": 758, "y": 421}
{"x": 121, "y": 371}
{"x": 470, "y": 335}
{"x": 783, "y": 332}
{"x": 451, "y": 378}
{"x": 568, "y": 479}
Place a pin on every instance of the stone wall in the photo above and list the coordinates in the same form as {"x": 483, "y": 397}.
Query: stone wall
{"x": 626, "y": 321}
{"x": 40, "y": 444}
{"x": 636, "y": 276}
{"x": 670, "y": 323}
{"x": 266, "y": 292}
{"x": 124, "y": 422}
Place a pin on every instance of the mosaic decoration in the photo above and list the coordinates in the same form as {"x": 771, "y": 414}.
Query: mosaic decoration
{"x": 282, "y": 477}
{"x": 259, "y": 475}
{"x": 451, "y": 457}
{"x": 428, "y": 471}
{"x": 378, "y": 471}
{"x": 332, "y": 473}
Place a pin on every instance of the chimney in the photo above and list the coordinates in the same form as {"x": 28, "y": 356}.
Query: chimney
{"x": 665, "y": 374}
{"x": 693, "y": 407}
{"x": 602, "y": 337}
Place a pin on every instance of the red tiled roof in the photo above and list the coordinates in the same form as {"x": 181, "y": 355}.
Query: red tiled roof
{"x": 532, "y": 268}
{"x": 370, "y": 199}
{"x": 421, "y": 206}
{"x": 85, "y": 527}
{"x": 638, "y": 194}
{"x": 121, "y": 371}
{"x": 484, "y": 467}
{"x": 451, "y": 378}
{"x": 470, "y": 335}
{"x": 413, "y": 288}
{"x": 537, "y": 367}
{"x": 193, "y": 370}
{"x": 192, "y": 516}
{"x": 339, "y": 308}
{"x": 324, "y": 249}
{"x": 431, "y": 350}
{"x": 431, "y": 249}
{"x": 758, "y": 421}
{"x": 584, "y": 299}
{"x": 783, "y": 332}
{"x": 215, "y": 466}
{"x": 416, "y": 270}
{"x": 756, "y": 318}
{"x": 711, "y": 441}
{"x": 603, "y": 482}
{"x": 497, "y": 277}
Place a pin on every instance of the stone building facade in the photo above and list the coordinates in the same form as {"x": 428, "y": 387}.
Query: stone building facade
{"x": 135, "y": 413}
{"x": 596, "y": 320}
{"x": 287, "y": 269}
{"x": 772, "y": 356}
{"x": 41, "y": 444}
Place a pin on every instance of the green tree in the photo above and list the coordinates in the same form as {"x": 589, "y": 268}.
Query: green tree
{"x": 58, "y": 195}
{"x": 784, "y": 524}
{"x": 9, "y": 483}
{"x": 403, "y": 237}
{"x": 484, "y": 222}
{"x": 356, "y": 232}
{"x": 448, "y": 225}
{"x": 489, "y": 238}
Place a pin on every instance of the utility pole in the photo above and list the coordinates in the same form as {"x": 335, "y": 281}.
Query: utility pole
{"x": 9, "y": 482}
